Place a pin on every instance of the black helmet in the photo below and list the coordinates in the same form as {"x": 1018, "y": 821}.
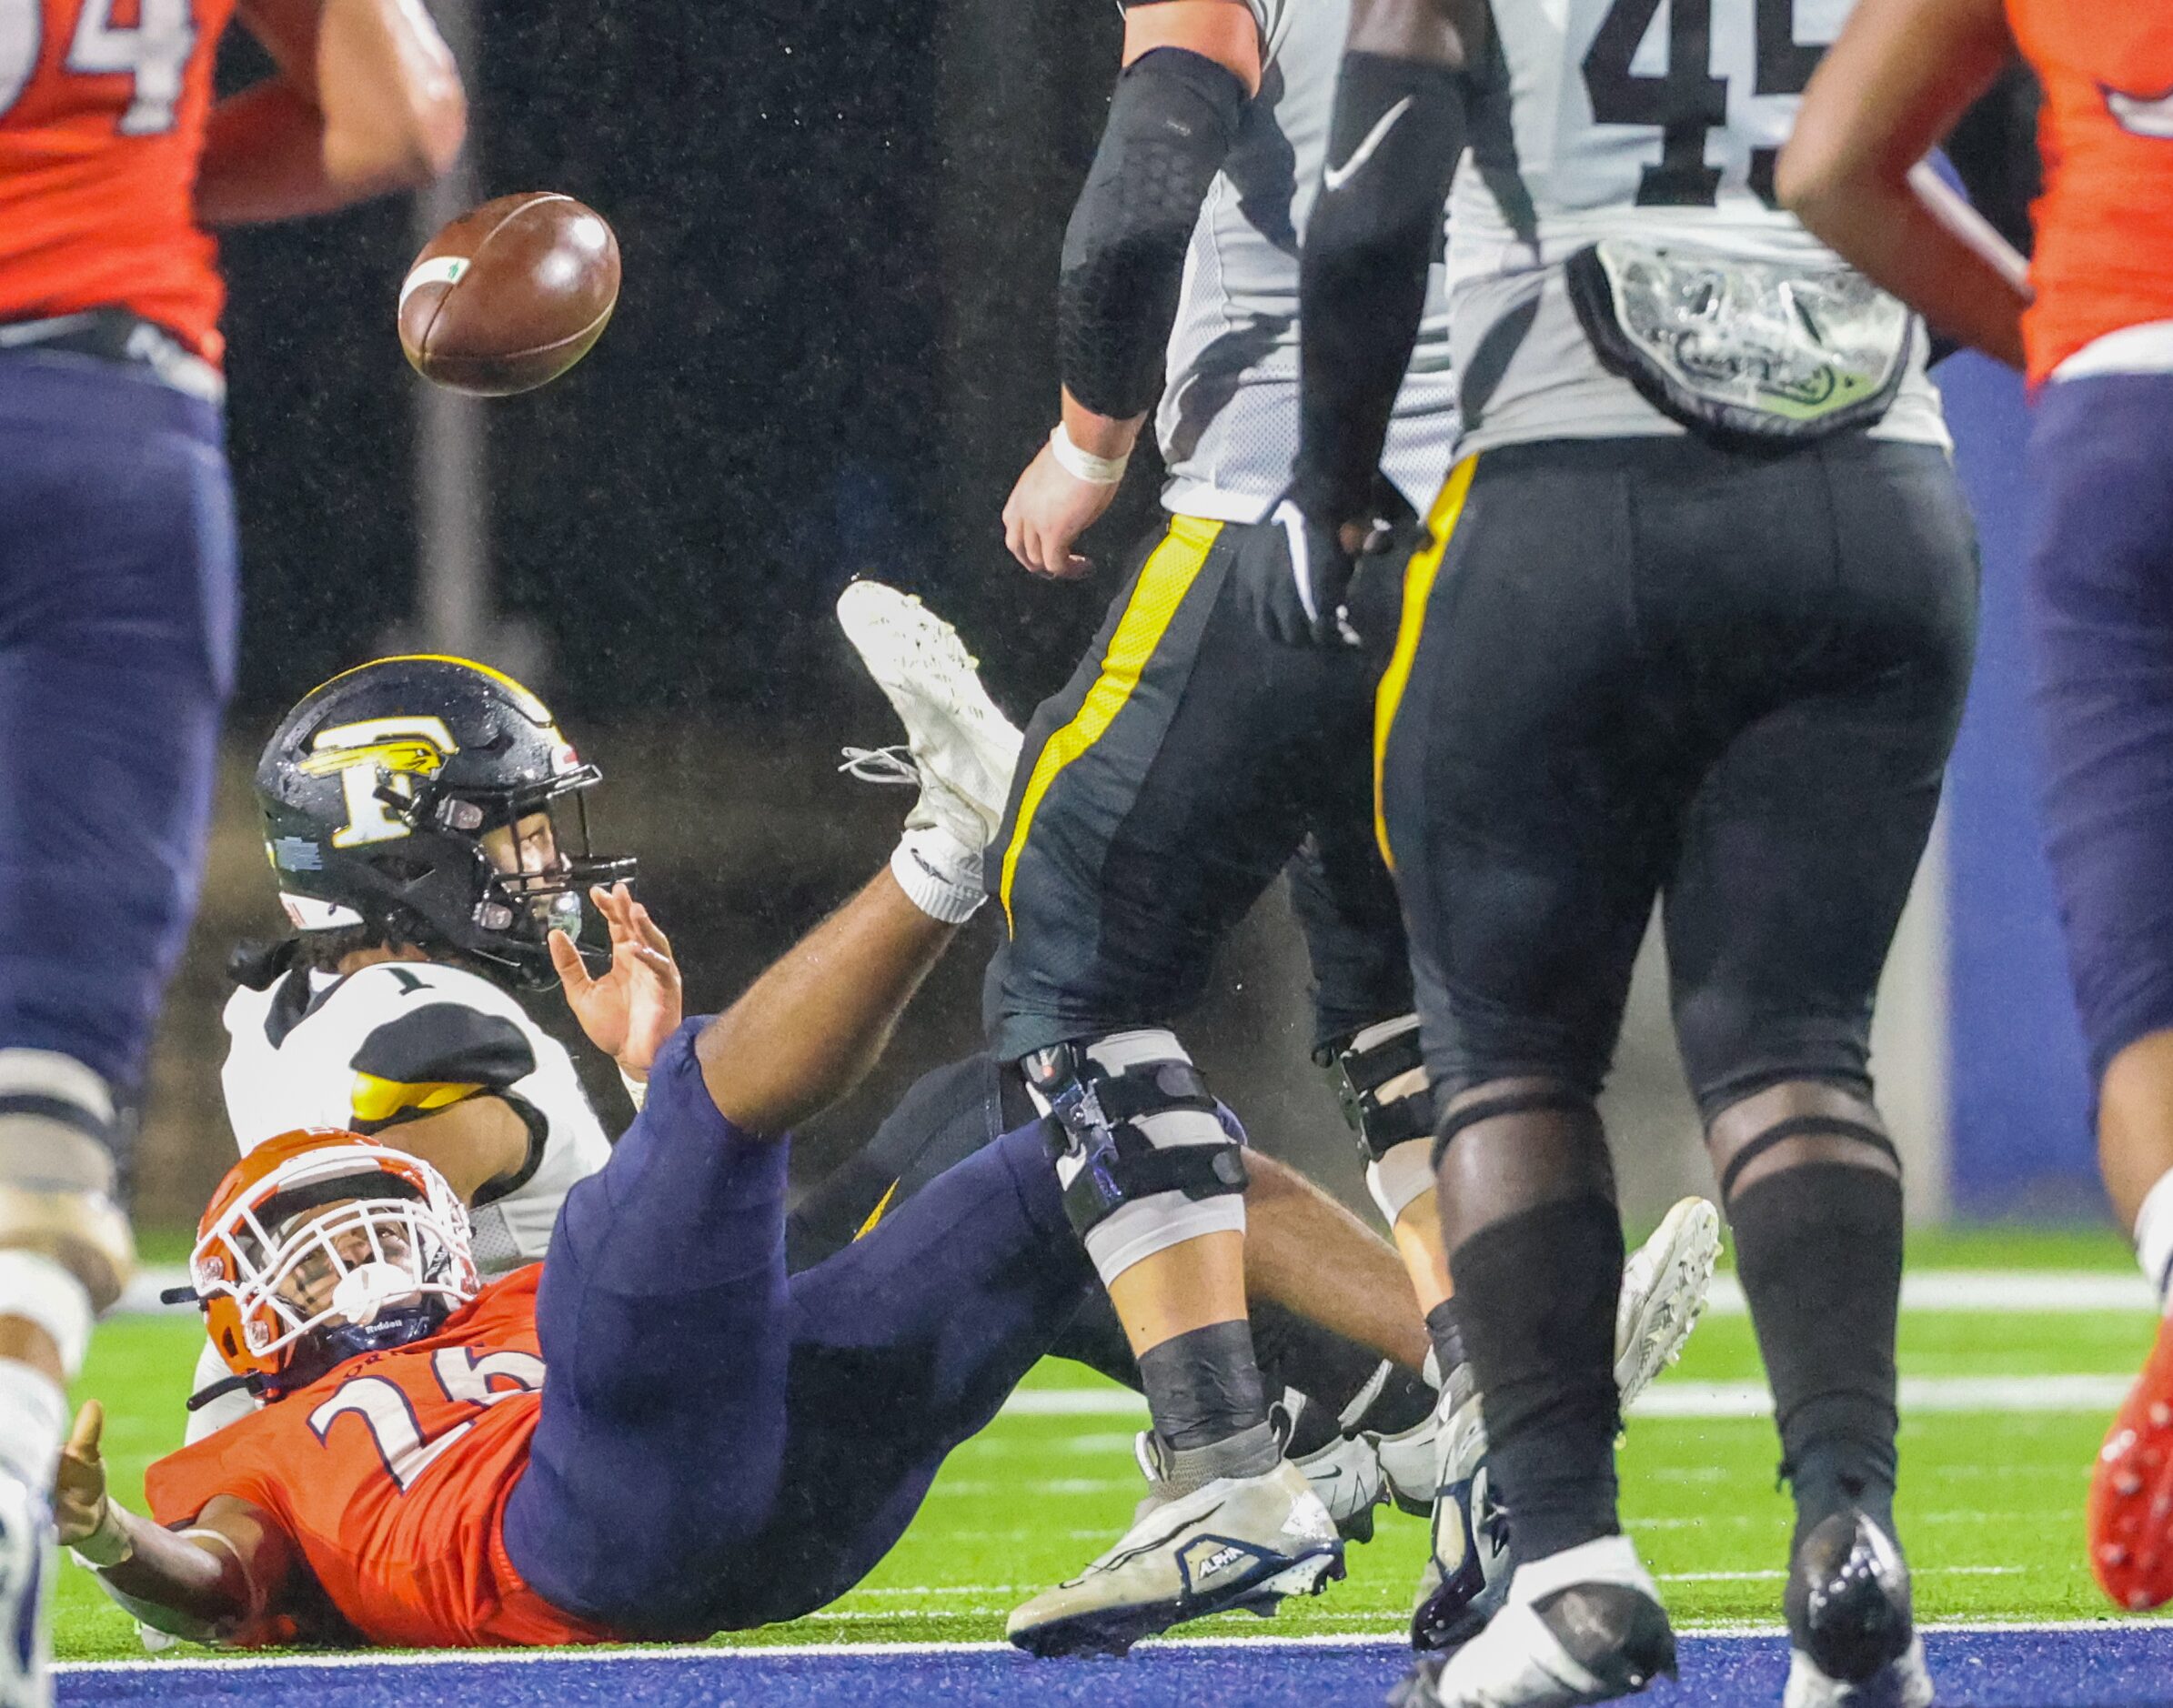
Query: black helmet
{"x": 379, "y": 787}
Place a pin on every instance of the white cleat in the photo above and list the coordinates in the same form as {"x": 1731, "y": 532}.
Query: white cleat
{"x": 1347, "y": 1474}
{"x": 1584, "y": 1625}
{"x": 27, "y": 1552}
{"x": 1664, "y": 1288}
{"x": 1238, "y": 1543}
{"x": 962, "y": 749}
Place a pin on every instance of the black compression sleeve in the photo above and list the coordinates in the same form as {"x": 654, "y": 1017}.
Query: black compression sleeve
{"x": 1172, "y": 122}
{"x": 1396, "y": 135}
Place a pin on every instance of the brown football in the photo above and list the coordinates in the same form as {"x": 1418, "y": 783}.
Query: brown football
{"x": 510, "y": 295}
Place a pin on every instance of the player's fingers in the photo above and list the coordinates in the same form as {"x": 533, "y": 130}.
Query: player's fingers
{"x": 651, "y": 932}
{"x": 565, "y": 961}
{"x": 83, "y": 1439}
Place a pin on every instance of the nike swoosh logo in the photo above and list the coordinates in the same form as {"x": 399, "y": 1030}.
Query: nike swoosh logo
{"x": 2140, "y": 114}
{"x": 1335, "y": 177}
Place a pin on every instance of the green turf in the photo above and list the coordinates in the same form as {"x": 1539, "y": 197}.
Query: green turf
{"x": 1991, "y": 1505}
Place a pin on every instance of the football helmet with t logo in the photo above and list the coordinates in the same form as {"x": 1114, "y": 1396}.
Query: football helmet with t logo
{"x": 427, "y": 798}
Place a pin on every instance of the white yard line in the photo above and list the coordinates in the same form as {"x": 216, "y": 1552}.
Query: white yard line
{"x": 1920, "y": 1396}
{"x": 2045, "y": 1291}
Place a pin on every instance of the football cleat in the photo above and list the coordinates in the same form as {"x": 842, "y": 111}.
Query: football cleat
{"x": 1584, "y": 1625}
{"x": 27, "y": 1547}
{"x": 2131, "y": 1489}
{"x": 1409, "y": 1461}
{"x": 1663, "y": 1287}
{"x": 1850, "y": 1627}
{"x": 1347, "y": 1476}
{"x": 1238, "y": 1543}
{"x": 961, "y": 749}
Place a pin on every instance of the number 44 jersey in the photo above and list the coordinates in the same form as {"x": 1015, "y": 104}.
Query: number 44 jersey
{"x": 103, "y": 105}
{"x": 390, "y": 1477}
{"x": 1649, "y": 122}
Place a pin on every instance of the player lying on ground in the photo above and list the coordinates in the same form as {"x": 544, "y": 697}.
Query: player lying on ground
{"x": 927, "y": 1311}
{"x": 392, "y": 1012}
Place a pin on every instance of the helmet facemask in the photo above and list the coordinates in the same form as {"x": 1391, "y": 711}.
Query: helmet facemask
{"x": 344, "y": 1249}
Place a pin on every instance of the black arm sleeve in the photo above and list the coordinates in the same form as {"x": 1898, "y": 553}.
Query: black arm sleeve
{"x": 1397, "y": 133}
{"x": 1994, "y": 151}
{"x": 1172, "y": 122}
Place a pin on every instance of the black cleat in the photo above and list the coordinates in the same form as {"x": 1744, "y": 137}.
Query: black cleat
{"x": 1850, "y": 1621}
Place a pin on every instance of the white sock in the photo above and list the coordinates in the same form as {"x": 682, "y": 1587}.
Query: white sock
{"x": 2154, "y": 1237}
{"x": 34, "y": 1423}
{"x": 940, "y": 875}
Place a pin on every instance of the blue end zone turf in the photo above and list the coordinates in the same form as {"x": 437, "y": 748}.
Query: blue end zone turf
{"x": 2078, "y": 1666}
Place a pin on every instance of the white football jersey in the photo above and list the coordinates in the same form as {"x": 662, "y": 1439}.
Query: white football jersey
{"x": 1228, "y": 423}
{"x": 1657, "y": 120}
{"x": 398, "y": 1038}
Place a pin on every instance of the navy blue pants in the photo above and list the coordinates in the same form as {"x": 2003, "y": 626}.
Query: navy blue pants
{"x": 2101, "y": 612}
{"x": 722, "y": 1446}
{"x": 118, "y": 613}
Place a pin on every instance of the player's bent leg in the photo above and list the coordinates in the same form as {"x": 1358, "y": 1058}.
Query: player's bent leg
{"x": 937, "y": 1313}
{"x": 1152, "y": 1176}
{"x": 665, "y": 1318}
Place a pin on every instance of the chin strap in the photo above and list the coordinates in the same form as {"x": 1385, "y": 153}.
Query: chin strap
{"x": 251, "y": 1385}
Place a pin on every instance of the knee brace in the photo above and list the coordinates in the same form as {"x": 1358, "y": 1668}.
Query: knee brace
{"x": 1139, "y": 1148}
{"x": 58, "y": 1173}
{"x": 1381, "y": 1080}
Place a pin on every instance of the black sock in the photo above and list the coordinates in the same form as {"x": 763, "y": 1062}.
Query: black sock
{"x": 1202, "y": 1386}
{"x": 1818, "y": 1248}
{"x": 1447, "y": 1336}
{"x": 1535, "y": 1296}
{"x": 1294, "y": 1351}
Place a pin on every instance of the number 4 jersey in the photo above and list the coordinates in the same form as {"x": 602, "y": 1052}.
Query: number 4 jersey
{"x": 1650, "y": 122}
{"x": 103, "y": 105}
{"x": 390, "y": 1476}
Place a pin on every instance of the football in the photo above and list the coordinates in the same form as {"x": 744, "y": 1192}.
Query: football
{"x": 510, "y": 295}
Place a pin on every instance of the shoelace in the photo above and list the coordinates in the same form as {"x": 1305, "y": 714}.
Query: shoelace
{"x": 893, "y": 766}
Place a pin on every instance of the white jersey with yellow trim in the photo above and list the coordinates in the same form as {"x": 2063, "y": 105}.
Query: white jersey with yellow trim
{"x": 1624, "y": 119}
{"x": 400, "y": 1038}
{"x": 1228, "y": 424}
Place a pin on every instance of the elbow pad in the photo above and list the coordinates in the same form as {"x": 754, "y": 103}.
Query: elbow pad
{"x": 1171, "y": 124}
{"x": 1397, "y": 133}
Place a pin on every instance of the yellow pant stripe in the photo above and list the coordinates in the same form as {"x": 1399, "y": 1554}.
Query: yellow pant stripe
{"x": 882, "y": 1205}
{"x": 1167, "y": 577}
{"x": 1418, "y": 590}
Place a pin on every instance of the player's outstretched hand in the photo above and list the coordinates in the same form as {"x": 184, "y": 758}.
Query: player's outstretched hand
{"x": 79, "y": 1485}
{"x": 631, "y": 1009}
{"x": 1293, "y": 576}
{"x": 1048, "y": 510}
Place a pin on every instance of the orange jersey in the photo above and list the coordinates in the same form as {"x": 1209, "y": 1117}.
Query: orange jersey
{"x": 391, "y": 1475}
{"x": 103, "y": 105}
{"x": 2105, "y": 223}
